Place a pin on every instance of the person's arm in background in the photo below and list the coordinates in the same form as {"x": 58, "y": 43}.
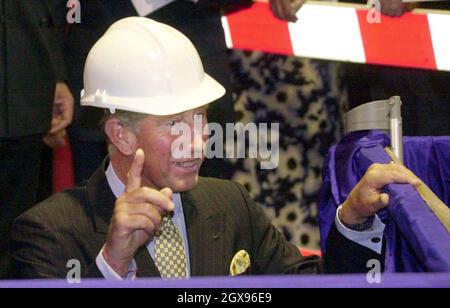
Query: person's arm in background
{"x": 63, "y": 101}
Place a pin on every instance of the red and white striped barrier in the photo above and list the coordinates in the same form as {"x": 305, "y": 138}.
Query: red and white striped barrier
{"x": 341, "y": 32}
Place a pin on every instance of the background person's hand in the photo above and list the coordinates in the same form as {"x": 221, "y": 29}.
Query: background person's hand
{"x": 286, "y": 9}
{"x": 62, "y": 116}
{"x": 62, "y": 108}
{"x": 55, "y": 140}
{"x": 367, "y": 197}
{"x": 395, "y": 8}
{"x": 136, "y": 218}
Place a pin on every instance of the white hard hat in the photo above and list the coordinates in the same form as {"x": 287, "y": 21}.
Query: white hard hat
{"x": 144, "y": 66}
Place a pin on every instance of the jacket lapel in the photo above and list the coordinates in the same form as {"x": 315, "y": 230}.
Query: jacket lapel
{"x": 101, "y": 199}
{"x": 205, "y": 221}
{"x": 145, "y": 264}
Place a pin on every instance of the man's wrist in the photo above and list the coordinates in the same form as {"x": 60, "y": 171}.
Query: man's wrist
{"x": 120, "y": 267}
{"x": 362, "y": 225}
{"x": 349, "y": 217}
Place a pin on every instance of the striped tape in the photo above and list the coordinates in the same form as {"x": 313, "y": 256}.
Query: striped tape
{"x": 341, "y": 32}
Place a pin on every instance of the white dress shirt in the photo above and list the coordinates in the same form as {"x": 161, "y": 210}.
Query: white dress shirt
{"x": 365, "y": 238}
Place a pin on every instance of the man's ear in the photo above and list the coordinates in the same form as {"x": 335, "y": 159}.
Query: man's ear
{"x": 123, "y": 138}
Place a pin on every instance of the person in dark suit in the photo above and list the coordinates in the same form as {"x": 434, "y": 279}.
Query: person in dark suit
{"x": 220, "y": 221}
{"x": 118, "y": 225}
{"x": 35, "y": 102}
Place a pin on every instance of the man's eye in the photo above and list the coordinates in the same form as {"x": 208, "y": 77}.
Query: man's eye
{"x": 173, "y": 122}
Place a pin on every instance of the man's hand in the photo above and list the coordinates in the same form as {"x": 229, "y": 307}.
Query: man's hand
{"x": 395, "y": 8}
{"x": 62, "y": 115}
{"x": 62, "y": 108}
{"x": 367, "y": 198}
{"x": 55, "y": 140}
{"x": 136, "y": 218}
{"x": 286, "y": 9}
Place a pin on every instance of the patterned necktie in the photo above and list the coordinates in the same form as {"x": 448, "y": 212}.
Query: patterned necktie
{"x": 169, "y": 250}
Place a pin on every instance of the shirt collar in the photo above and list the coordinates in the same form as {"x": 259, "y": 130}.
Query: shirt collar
{"x": 116, "y": 185}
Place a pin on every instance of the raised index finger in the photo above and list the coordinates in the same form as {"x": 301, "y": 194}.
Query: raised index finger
{"x": 134, "y": 176}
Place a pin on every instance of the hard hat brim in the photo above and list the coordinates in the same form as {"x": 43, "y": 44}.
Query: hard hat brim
{"x": 208, "y": 91}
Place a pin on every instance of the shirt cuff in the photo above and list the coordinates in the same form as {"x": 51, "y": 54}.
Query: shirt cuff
{"x": 371, "y": 238}
{"x": 109, "y": 274}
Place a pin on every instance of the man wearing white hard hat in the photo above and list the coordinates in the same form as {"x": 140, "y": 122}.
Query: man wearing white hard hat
{"x": 146, "y": 213}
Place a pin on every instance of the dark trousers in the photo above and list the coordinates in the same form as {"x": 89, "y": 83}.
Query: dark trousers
{"x": 20, "y": 161}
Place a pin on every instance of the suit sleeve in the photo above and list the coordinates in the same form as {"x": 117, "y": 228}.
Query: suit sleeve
{"x": 35, "y": 250}
{"x": 346, "y": 256}
{"x": 274, "y": 255}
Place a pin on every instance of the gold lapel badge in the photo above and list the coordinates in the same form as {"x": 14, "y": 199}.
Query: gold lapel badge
{"x": 240, "y": 263}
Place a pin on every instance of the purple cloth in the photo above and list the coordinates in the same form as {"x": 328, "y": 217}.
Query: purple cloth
{"x": 422, "y": 280}
{"x": 415, "y": 239}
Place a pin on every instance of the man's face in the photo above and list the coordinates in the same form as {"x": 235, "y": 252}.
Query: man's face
{"x": 161, "y": 168}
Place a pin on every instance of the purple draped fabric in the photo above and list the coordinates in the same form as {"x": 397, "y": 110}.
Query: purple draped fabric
{"x": 415, "y": 239}
{"x": 241, "y": 283}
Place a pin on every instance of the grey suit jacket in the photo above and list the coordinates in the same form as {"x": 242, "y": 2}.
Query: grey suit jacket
{"x": 220, "y": 220}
